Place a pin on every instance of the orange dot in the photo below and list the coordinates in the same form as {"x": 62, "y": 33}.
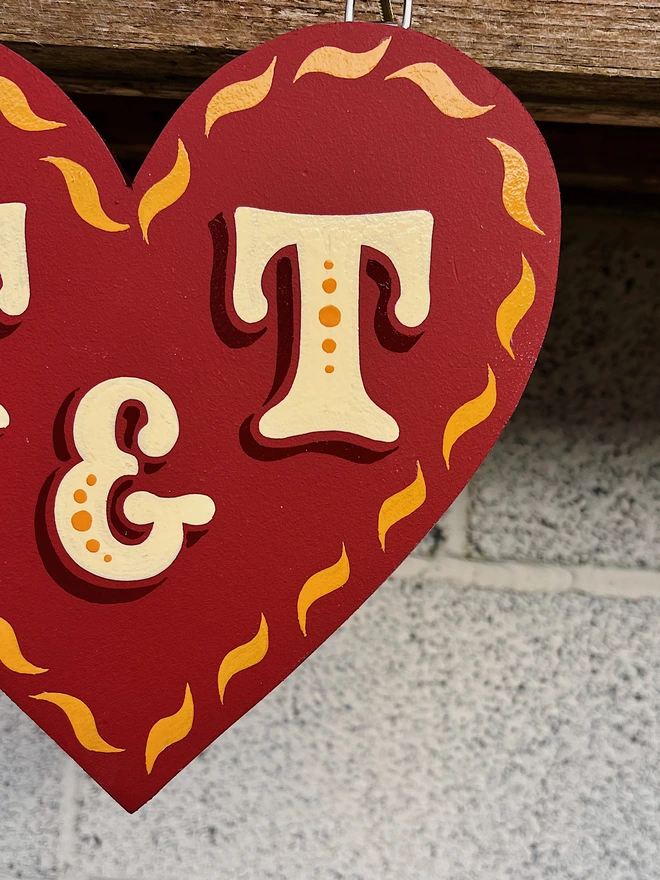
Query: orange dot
{"x": 329, "y": 316}
{"x": 91, "y": 480}
{"x": 107, "y": 558}
{"x": 329, "y": 285}
{"x": 82, "y": 521}
{"x": 329, "y": 369}
{"x": 329, "y": 345}
{"x": 329, "y": 264}
{"x": 80, "y": 496}
{"x": 93, "y": 546}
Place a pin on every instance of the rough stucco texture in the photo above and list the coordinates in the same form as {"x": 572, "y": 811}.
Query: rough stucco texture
{"x": 30, "y": 786}
{"x": 575, "y": 477}
{"x": 443, "y": 732}
{"x": 446, "y": 731}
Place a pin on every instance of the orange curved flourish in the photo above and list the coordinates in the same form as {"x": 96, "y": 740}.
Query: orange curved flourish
{"x": 441, "y": 90}
{"x": 515, "y": 306}
{"x": 16, "y": 109}
{"x": 243, "y": 657}
{"x": 514, "y": 186}
{"x": 81, "y": 719}
{"x": 320, "y": 584}
{"x": 166, "y": 191}
{"x": 341, "y": 63}
{"x": 400, "y": 505}
{"x": 469, "y": 415}
{"x": 84, "y": 194}
{"x": 170, "y": 730}
{"x": 11, "y": 655}
{"x": 239, "y": 96}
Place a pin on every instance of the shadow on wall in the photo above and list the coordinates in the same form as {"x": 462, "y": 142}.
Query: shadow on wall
{"x": 575, "y": 477}
{"x": 599, "y": 362}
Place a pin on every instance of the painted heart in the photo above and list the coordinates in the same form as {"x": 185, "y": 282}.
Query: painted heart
{"x": 236, "y": 394}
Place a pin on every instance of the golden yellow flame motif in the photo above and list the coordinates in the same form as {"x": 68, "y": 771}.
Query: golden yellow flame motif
{"x": 514, "y": 187}
{"x": 11, "y": 655}
{"x": 516, "y": 305}
{"x": 320, "y": 584}
{"x": 243, "y": 657}
{"x": 400, "y": 505}
{"x": 81, "y": 719}
{"x": 166, "y": 192}
{"x": 170, "y": 730}
{"x": 84, "y": 194}
{"x": 15, "y": 108}
{"x": 441, "y": 90}
{"x": 239, "y": 96}
{"x": 338, "y": 62}
{"x": 469, "y": 415}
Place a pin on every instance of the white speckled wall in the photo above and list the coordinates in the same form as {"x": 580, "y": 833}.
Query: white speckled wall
{"x": 493, "y": 711}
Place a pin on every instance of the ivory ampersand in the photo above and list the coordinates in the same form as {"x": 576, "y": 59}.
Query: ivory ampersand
{"x": 332, "y": 399}
{"x": 82, "y": 497}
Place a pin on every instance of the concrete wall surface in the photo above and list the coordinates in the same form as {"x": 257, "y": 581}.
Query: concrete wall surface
{"x": 493, "y": 710}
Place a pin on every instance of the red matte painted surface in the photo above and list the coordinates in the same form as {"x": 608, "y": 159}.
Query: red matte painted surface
{"x": 105, "y": 305}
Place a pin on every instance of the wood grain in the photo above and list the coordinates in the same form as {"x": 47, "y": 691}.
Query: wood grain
{"x": 592, "y": 60}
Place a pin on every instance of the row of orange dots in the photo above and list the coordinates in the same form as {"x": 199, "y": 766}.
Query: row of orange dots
{"x": 82, "y": 519}
{"x": 329, "y": 316}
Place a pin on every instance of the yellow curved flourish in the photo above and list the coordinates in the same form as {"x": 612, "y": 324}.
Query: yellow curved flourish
{"x": 11, "y": 655}
{"x": 239, "y": 96}
{"x": 401, "y": 504}
{"x": 243, "y": 657}
{"x": 82, "y": 721}
{"x": 441, "y": 90}
{"x": 320, "y": 584}
{"x": 514, "y": 187}
{"x": 84, "y": 195}
{"x": 170, "y": 730}
{"x": 166, "y": 192}
{"x": 338, "y": 62}
{"x": 15, "y": 108}
{"x": 515, "y": 306}
{"x": 469, "y": 415}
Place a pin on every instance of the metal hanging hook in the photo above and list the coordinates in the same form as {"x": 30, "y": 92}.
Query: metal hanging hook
{"x": 386, "y": 13}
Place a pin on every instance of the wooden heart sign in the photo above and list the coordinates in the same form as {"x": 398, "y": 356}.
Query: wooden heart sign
{"x": 236, "y": 394}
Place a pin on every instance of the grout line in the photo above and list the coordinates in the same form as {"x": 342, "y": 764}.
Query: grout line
{"x": 64, "y": 854}
{"x": 520, "y": 577}
{"x": 454, "y": 524}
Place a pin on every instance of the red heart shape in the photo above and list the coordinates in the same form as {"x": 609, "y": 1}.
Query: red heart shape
{"x": 352, "y": 467}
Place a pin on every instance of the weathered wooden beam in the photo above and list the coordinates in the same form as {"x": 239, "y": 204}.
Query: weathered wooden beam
{"x": 571, "y": 60}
